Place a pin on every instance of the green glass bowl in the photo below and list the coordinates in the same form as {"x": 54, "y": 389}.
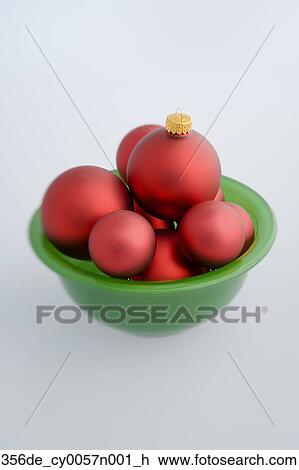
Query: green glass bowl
{"x": 164, "y": 307}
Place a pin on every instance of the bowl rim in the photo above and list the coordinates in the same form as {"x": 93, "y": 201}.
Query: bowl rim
{"x": 265, "y": 233}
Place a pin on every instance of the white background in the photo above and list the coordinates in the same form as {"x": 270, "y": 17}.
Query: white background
{"x": 126, "y": 63}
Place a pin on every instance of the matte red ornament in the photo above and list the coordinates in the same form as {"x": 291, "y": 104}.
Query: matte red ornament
{"x": 73, "y": 203}
{"x": 122, "y": 243}
{"x": 169, "y": 173}
{"x": 169, "y": 262}
{"x": 248, "y": 225}
{"x": 211, "y": 234}
{"x": 128, "y": 143}
{"x": 154, "y": 221}
{"x": 219, "y": 196}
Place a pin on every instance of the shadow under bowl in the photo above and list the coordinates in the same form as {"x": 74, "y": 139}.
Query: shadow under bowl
{"x": 164, "y": 307}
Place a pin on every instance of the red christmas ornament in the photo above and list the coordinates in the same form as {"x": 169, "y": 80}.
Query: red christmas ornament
{"x": 219, "y": 196}
{"x": 169, "y": 262}
{"x": 248, "y": 225}
{"x": 154, "y": 221}
{"x": 211, "y": 234}
{"x": 128, "y": 143}
{"x": 172, "y": 169}
{"x": 73, "y": 203}
{"x": 122, "y": 243}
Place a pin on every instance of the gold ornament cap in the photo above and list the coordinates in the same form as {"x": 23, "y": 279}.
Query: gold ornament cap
{"x": 178, "y": 124}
